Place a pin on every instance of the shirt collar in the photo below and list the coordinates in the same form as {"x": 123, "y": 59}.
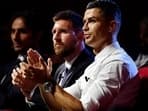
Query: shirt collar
{"x": 108, "y": 49}
{"x": 21, "y": 57}
{"x": 68, "y": 64}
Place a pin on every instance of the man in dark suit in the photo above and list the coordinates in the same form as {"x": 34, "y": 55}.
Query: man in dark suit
{"x": 68, "y": 43}
{"x": 26, "y": 30}
{"x": 76, "y": 70}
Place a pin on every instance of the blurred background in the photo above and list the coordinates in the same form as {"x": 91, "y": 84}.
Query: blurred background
{"x": 132, "y": 12}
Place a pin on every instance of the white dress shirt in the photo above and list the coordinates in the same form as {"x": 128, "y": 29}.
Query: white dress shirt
{"x": 102, "y": 80}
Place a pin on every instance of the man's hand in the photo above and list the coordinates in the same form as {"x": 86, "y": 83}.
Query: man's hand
{"x": 25, "y": 83}
{"x": 38, "y": 67}
{"x": 30, "y": 74}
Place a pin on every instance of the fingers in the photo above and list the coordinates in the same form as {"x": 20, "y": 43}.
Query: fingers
{"x": 38, "y": 66}
{"x": 23, "y": 66}
{"x": 42, "y": 63}
{"x": 16, "y": 77}
{"x": 30, "y": 57}
{"x": 49, "y": 65}
{"x": 22, "y": 82}
{"x": 20, "y": 74}
{"x": 33, "y": 56}
{"x": 28, "y": 75}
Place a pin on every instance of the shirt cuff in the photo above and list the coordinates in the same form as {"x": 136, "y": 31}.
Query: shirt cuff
{"x": 33, "y": 90}
{"x": 30, "y": 103}
{"x": 28, "y": 99}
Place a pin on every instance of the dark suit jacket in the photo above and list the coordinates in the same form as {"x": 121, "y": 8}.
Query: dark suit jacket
{"x": 10, "y": 96}
{"x": 77, "y": 69}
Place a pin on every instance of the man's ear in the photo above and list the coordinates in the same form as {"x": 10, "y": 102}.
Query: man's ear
{"x": 112, "y": 26}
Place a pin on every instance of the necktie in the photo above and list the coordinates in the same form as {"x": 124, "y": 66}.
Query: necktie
{"x": 63, "y": 77}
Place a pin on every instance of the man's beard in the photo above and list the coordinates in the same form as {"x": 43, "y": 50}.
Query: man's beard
{"x": 64, "y": 52}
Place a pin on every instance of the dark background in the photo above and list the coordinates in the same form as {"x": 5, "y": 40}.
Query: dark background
{"x": 132, "y": 12}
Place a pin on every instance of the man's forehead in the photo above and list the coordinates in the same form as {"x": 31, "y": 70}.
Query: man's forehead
{"x": 93, "y": 12}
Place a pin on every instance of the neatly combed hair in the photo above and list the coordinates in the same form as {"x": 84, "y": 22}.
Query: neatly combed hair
{"x": 75, "y": 18}
{"x": 110, "y": 9}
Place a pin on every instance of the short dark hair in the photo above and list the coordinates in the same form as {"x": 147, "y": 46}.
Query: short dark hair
{"x": 32, "y": 19}
{"x": 111, "y": 9}
{"x": 75, "y": 18}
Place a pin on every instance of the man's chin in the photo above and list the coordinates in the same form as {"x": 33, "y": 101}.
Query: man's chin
{"x": 58, "y": 53}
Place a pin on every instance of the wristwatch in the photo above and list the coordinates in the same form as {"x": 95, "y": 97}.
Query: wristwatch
{"x": 49, "y": 86}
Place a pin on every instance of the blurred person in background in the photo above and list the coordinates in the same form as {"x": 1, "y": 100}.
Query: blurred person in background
{"x": 27, "y": 31}
{"x": 142, "y": 58}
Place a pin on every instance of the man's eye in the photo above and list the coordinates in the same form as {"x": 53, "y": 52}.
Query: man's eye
{"x": 53, "y": 31}
{"x": 23, "y": 31}
{"x": 92, "y": 20}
